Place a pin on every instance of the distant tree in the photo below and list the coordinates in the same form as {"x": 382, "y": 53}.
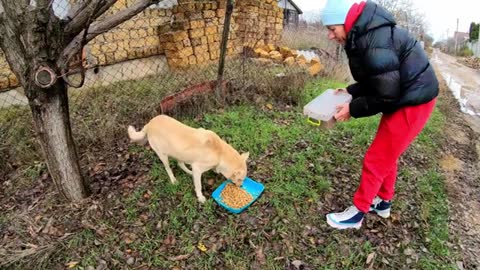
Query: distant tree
{"x": 406, "y": 15}
{"x": 474, "y": 31}
{"x": 428, "y": 40}
{"x": 439, "y": 44}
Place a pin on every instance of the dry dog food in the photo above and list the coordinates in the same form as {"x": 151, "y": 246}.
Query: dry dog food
{"x": 235, "y": 197}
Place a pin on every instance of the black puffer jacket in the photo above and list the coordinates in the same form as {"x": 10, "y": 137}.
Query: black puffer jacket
{"x": 389, "y": 65}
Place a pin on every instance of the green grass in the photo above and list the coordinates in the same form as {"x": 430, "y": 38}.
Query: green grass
{"x": 434, "y": 212}
{"x": 294, "y": 187}
{"x": 301, "y": 166}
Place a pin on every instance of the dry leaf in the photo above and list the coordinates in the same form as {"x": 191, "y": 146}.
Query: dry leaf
{"x": 128, "y": 241}
{"x": 408, "y": 252}
{"x": 71, "y": 264}
{"x": 370, "y": 257}
{"x": 298, "y": 264}
{"x": 260, "y": 256}
{"x": 179, "y": 257}
{"x": 269, "y": 106}
{"x": 202, "y": 247}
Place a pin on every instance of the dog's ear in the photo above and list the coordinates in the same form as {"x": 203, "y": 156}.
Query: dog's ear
{"x": 245, "y": 156}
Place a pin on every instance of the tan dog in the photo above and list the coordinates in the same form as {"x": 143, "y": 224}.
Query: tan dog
{"x": 202, "y": 149}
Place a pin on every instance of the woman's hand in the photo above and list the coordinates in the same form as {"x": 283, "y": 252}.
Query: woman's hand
{"x": 343, "y": 112}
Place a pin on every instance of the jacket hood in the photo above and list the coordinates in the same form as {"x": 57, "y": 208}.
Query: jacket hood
{"x": 372, "y": 17}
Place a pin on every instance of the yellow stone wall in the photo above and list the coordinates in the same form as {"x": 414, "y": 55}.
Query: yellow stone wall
{"x": 7, "y": 78}
{"x": 187, "y": 34}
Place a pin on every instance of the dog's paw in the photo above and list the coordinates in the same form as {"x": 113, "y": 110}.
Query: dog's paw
{"x": 202, "y": 199}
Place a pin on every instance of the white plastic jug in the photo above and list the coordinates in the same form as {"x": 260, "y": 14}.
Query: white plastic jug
{"x": 324, "y": 107}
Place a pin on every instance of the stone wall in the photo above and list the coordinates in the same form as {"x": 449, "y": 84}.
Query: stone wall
{"x": 135, "y": 38}
{"x": 7, "y": 78}
{"x": 188, "y": 34}
{"x": 194, "y": 37}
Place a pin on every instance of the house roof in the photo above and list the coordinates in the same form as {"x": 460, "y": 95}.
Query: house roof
{"x": 289, "y": 4}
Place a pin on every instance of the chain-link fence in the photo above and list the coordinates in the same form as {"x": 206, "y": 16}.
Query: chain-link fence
{"x": 155, "y": 62}
{"x": 475, "y": 47}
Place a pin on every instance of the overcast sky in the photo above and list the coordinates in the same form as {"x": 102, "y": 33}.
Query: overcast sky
{"x": 440, "y": 15}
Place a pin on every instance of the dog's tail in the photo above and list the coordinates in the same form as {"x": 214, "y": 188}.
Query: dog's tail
{"x": 136, "y": 136}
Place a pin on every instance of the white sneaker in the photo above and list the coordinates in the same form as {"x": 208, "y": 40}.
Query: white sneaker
{"x": 381, "y": 207}
{"x": 348, "y": 219}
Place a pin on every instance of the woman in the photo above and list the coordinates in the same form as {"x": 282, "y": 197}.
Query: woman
{"x": 393, "y": 77}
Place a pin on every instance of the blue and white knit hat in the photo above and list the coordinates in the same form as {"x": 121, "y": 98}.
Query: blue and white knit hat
{"x": 335, "y": 11}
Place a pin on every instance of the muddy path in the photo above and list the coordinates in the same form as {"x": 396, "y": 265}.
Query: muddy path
{"x": 460, "y": 87}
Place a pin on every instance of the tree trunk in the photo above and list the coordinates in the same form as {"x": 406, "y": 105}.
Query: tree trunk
{"x": 32, "y": 37}
{"x": 52, "y": 123}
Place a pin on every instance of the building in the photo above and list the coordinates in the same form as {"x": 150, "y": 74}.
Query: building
{"x": 461, "y": 38}
{"x": 291, "y": 12}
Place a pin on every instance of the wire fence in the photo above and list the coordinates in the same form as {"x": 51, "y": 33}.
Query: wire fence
{"x": 171, "y": 48}
{"x": 475, "y": 47}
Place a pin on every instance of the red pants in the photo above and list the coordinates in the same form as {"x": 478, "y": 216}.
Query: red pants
{"x": 395, "y": 133}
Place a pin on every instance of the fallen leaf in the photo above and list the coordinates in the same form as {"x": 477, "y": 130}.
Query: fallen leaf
{"x": 159, "y": 225}
{"x": 370, "y": 257}
{"x": 128, "y": 241}
{"x": 269, "y": 106}
{"x": 179, "y": 257}
{"x": 202, "y": 247}
{"x": 260, "y": 256}
{"x": 71, "y": 264}
{"x": 99, "y": 167}
{"x": 408, "y": 252}
{"x": 170, "y": 240}
{"x": 298, "y": 264}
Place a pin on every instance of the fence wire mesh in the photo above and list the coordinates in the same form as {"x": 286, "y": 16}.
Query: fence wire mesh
{"x": 168, "y": 48}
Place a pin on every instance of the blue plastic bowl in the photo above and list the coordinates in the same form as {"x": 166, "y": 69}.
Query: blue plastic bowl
{"x": 252, "y": 187}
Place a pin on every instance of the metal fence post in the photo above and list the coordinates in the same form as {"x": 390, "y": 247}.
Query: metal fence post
{"x": 223, "y": 50}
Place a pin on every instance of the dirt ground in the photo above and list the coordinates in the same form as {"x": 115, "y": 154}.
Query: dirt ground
{"x": 460, "y": 164}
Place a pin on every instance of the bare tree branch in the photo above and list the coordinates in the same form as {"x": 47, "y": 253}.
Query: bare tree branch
{"x": 77, "y": 23}
{"x": 76, "y": 9}
{"x": 83, "y": 11}
{"x": 102, "y": 10}
{"x": 12, "y": 47}
{"x": 101, "y": 27}
{"x": 43, "y": 3}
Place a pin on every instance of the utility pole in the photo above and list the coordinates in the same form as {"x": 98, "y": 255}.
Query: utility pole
{"x": 455, "y": 36}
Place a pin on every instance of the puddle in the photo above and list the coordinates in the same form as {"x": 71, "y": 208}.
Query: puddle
{"x": 457, "y": 90}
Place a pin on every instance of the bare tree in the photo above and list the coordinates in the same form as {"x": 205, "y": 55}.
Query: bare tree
{"x": 39, "y": 47}
{"x": 406, "y": 15}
